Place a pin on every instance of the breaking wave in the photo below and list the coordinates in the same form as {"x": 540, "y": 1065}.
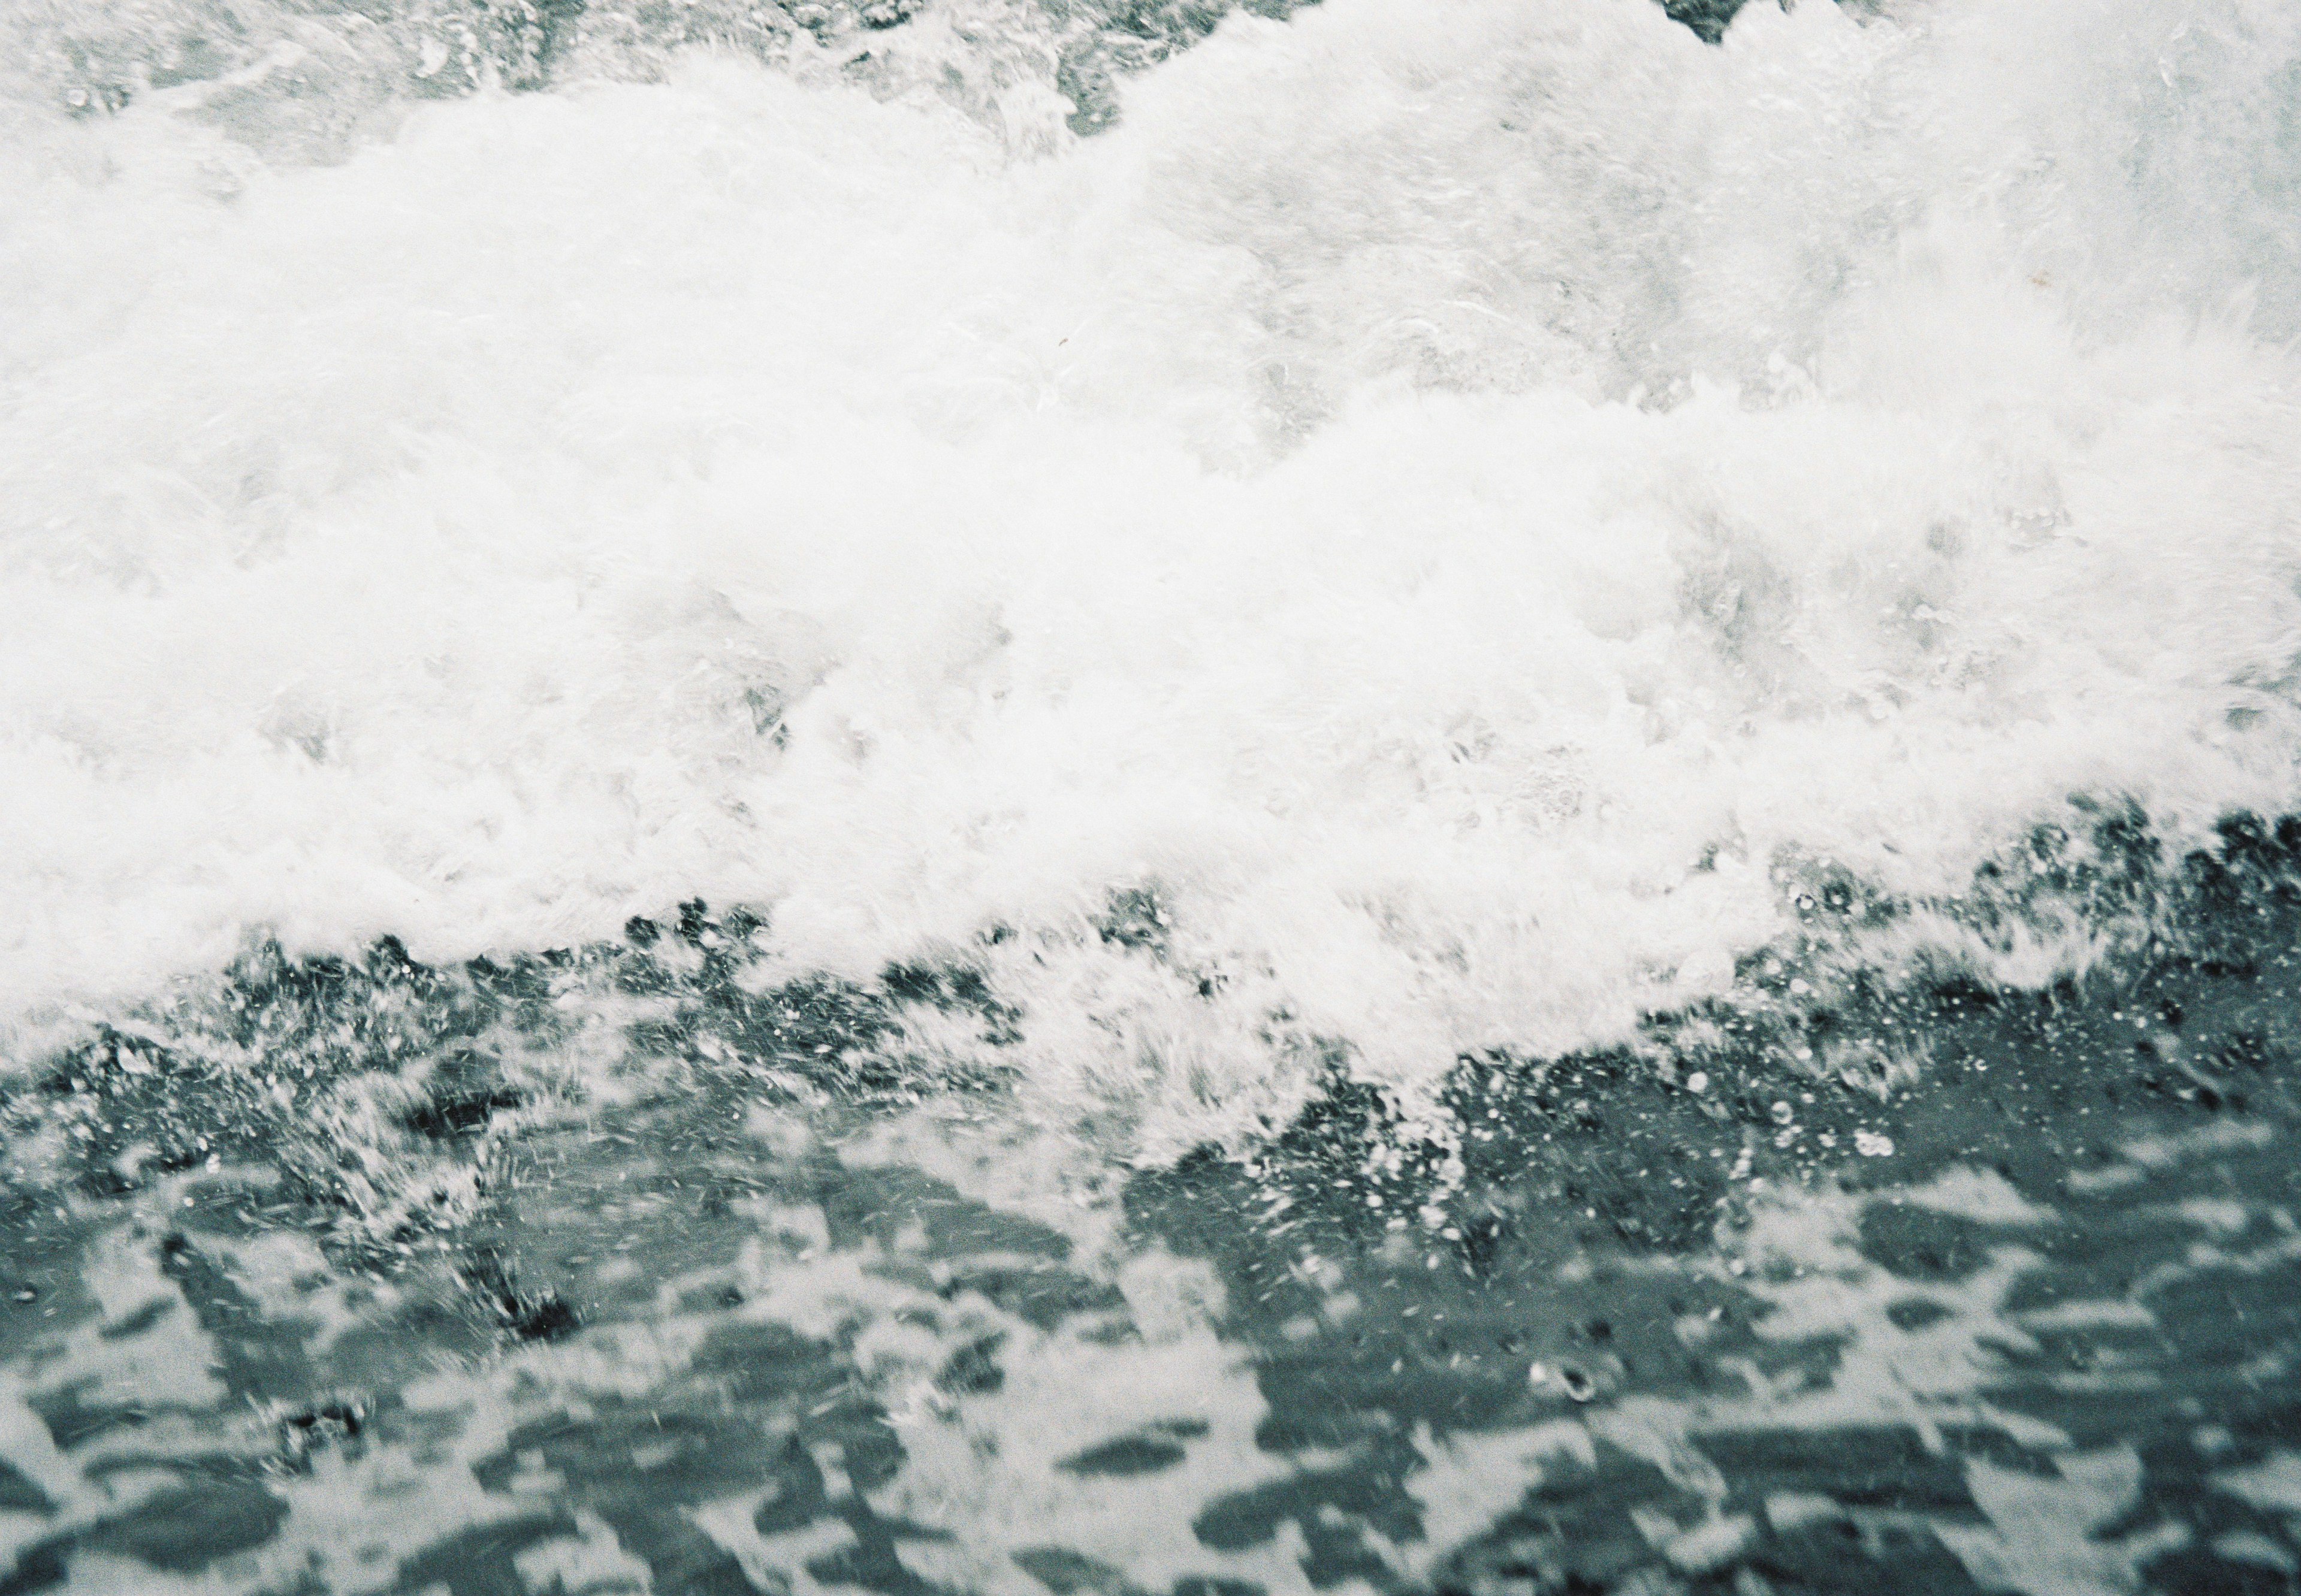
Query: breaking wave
{"x": 1395, "y": 533}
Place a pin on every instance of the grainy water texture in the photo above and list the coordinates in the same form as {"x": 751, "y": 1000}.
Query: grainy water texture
{"x": 970, "y": 745}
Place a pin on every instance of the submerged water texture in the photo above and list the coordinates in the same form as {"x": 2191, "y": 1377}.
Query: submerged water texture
{"x": 1040, "y": 796}
{"x": 729, "y": 1310}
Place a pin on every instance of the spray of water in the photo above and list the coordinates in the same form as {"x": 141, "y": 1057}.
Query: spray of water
{"x": 1421, "y": 531}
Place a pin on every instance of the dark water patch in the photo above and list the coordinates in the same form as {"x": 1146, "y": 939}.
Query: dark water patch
{"x": 482, "y": 1560}
{"x": 461, "y": 1097}
{"x": 757, "y": 1411}
{"x": 1333, "y": 1509}
{"x": 258, "y": 1357}
{"x": 1065, "y": 1573}
{"x": 1845, "y": 1554}
{"x": 42, "y": 1242}
{"x": 1042, "y": 1295}
{"x": 181, "y": 1529}
{"x": 974, "y": 1369}
{"x": 1859, "y": 1466}
{"x": 872, "y": 1559}
{"x": 19, "y": 1494}
{"x": 1915, "y": 1313}
{"x": 1575, "y": 1531}
{"x": 640, "y": 1470}
{"x": 138, "y": 1321}
{"x": 70, "y": 1419}
{"x": 40, "y": 1567}
{"x": 530, "y": 1315}
{"x": 1923, "y": 1244}
{"x": 883, "y": 1204}
{"x": 1125, "y": 1457}
{"x": 1707, "y": 20}
{"x": 765, "y": 1362}
{"x": 1156, "y": 1448}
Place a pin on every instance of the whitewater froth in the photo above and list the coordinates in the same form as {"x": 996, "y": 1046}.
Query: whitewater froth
{"x": 1424, "y": 522}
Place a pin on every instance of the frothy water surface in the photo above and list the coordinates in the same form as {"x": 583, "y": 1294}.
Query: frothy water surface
{"x": 1446, "y": 506}
{"x": 1161, "y": 587}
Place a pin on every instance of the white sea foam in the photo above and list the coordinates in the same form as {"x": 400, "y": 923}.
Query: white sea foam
{"x": 1443, "y": 496}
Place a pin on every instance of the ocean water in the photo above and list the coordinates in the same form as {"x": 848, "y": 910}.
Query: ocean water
{"x": 947, "y": 733}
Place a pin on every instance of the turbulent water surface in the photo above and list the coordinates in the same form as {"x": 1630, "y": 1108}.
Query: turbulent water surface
{"x": 1124, "y": 797}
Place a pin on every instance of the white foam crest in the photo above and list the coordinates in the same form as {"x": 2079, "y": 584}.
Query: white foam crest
{"x": 1442, "y": 498}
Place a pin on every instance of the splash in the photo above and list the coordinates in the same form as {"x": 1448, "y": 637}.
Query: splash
{"x": 1425, "y": 537}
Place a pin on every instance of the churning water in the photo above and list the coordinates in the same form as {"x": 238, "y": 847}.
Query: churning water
{"x": 1156, "y": 578}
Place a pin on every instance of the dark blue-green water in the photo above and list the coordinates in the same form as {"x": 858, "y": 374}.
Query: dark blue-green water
{"x": 1038, "y": 798}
